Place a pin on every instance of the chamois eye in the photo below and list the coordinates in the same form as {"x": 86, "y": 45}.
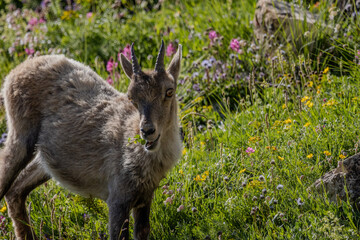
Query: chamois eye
{"x": 169, "y": 92}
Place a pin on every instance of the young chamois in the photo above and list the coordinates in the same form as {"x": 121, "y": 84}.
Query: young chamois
{"x": 65, "y": 122}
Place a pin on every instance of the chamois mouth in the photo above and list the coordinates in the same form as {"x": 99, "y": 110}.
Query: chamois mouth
{"x": 151, "y": 145}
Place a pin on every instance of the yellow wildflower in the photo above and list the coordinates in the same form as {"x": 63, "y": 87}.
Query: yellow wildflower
{"x": 202, "y": 143}
{"x": 284, "y": 106}
{"x": 198, "y": 99}
{"x": 342, "y": 156}
{"x": 280, "y": 158}
{"x": 326, "y": 70}
{"x": 181, "y": 171}
{"x": 288, "y": 121}
{"x": 305, "y": 98}
{"x": 3, "y": 209}
{"x": 256, "y": 184}
{"x": 330, "y": 103}
{"x": 271, "y": 147}
{"x": 184, "y": 151}
{"x": 310, "y": 156}
{"x": 318, "y": 89}
{"x": 309, "y": 104}
{"x": 310, "y": 84}
{"x": 69, "y": 14}
{"x": 254, "y": 139}
{"x": 207, "y": 108}
{"x": 197, "y": 178}
{"x": 327, "y": 153}
{"x": 243, "y": 170}
{"x": 202, "y": 178}
{"x": 307, "y": 124}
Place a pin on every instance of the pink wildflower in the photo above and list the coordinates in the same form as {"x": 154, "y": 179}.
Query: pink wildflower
{"x": 42, "y": 20}
{"x": 89, "y": 15}
{"x": 250, "y": 150}
{"x": 29, "y": 51}
{"x": 235, "y": 45}
{"x": 32, "y": 22}
{"x": 111, "y": 65}
{"x": 2, "y": 223}
{"x": 180, "y": 208}
{"x": 109, "y": 80}
{"x": 169, "y": 201}
{"x": 126, "y": 51}
{"x": 170, "y": 50}
{"x": 212, "y": 35}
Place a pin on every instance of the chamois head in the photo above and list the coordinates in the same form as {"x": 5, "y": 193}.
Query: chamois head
{"x": 153, "y": 94}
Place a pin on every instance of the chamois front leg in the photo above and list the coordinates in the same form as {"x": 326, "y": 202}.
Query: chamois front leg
{"x": 119, "y": 213}
{"x": 142, "y": 223}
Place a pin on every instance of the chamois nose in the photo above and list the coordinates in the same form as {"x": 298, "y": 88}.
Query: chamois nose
{"x": 147, "y": 131}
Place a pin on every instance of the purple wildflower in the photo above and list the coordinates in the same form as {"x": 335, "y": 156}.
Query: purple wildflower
{"x": 181, "y": 81}
{"x": 89, "y": 15}
{"x": 45, "y": 3}
{"x": 170, "y": 50}
{"x": 194, "y": 75}
{"x": 212, "y": 60}
{"x": 212, "y": 35}
{"x": 196, "y": 87}
{"x": 206, "y": 64}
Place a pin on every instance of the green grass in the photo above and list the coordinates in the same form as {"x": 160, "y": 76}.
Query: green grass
{"x": 218, "y": 184}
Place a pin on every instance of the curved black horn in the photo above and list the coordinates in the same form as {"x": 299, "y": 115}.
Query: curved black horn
{"x": 159, "y": 65}
{"x": 135, "y": 65}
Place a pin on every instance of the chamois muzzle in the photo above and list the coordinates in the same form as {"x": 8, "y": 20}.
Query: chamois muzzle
{"x": 148, "y": 133}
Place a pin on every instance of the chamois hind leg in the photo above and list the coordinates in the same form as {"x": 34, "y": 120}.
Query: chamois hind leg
{"x": 29, "y": 178}
{"x": 18, "y": 151}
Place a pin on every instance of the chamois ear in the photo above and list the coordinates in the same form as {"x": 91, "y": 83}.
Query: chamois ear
{"x": 174, "y": 67}
{"x": 126, "y": 66}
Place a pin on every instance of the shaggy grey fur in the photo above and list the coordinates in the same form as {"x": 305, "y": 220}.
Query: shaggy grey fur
{"x": 65, "y": 122}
